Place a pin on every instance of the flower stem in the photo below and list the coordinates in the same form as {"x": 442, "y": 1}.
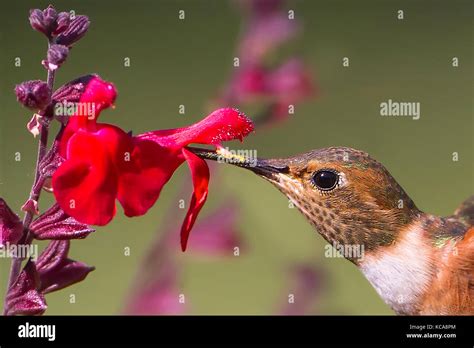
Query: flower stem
{"x": 35, "y": 192}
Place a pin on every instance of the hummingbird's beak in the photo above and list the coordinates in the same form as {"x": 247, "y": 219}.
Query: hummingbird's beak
{"x": 262, "y": 167}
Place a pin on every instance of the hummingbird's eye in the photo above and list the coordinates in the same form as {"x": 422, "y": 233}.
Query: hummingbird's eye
{"x": 325, "y": 179}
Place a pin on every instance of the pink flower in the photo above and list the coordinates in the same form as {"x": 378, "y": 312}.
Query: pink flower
{"x": 264, "y": 34}
{"x": 281, "y": 87}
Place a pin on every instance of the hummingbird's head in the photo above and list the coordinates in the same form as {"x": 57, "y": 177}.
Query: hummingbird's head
{"x": 349, "y": 197}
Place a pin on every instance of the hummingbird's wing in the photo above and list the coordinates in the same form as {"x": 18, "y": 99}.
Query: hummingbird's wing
{"x": 465, "y": 212}
{"x": 452, "y": 290}
{"x": 462, "y": 262}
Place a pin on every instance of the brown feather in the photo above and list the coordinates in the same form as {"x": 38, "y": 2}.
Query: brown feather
{"x": 452, "y": 290}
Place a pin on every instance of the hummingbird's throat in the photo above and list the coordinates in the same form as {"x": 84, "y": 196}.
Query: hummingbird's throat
{"x": 345, "y": 230}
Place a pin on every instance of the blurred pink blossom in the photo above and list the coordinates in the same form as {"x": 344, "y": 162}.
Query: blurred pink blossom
{"x": 160, "y": 295}
{"x": 276, "y": 87}
{"x": 260, "y": 7}
{"x": 217, "y": 234}
{"x": 265, "y": 33}
{"x": 305, "y": 286}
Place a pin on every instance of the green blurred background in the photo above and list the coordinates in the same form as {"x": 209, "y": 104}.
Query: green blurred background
{"x": 177, "y": 62}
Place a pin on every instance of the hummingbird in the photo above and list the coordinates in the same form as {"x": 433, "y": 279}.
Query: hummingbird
{"x": 419, "y": 263}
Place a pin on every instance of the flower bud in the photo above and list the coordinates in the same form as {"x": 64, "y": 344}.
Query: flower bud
{"x": 76, "y": 30}
{"x": 37, "y": 22}
{"x": 72, "y": 91}
{"x": 33, "y": 94}
{"x": 54, "y": 223}
{"x": 46, "y": 21}
{"x": 49, "y": 18}
{"x": 57, "y": 54}
{"x": 56, "y": 271}
{"x": 62, "y": 22}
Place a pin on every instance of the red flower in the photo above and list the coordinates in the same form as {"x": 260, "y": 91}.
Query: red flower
{"x": 104, "y": 164}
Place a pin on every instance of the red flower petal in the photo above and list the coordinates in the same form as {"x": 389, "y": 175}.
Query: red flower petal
{"x": 85, "y": 185}
{"x": 98, "y": 92}
{"x": 221, "y": 125}
{"x": 97, "y": 96}
{"x": 143, "y": 173}
{"x": 200, "y": 174}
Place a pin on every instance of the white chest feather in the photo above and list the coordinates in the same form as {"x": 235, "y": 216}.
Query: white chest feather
{"x": 401, "y": 274}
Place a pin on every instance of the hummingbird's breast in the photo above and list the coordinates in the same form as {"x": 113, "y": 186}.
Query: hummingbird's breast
{"x": 402, "y": 273}
{"x": 424, "y": 271}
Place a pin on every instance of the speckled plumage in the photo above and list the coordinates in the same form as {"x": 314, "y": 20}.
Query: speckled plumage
{"x": 346, "y": 215}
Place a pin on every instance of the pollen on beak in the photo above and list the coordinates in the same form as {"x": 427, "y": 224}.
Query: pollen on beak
{"x": 267, "y": 168}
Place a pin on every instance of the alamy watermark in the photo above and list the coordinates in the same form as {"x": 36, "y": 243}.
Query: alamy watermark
{"x": 348, "y": 251}
{"x": 394, "y": 108}
{"x": 66, "y": 108}
{"x": 19, "y": 251}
